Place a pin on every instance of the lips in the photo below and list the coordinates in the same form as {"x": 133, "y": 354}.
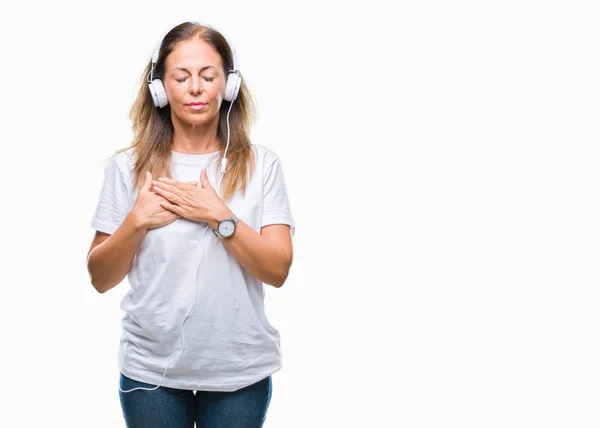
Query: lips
{"x": 196, "y": 106}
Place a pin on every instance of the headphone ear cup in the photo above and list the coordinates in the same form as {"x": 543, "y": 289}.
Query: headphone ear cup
{"x": 159, "y": 96}
{"x": 232, "y": 89}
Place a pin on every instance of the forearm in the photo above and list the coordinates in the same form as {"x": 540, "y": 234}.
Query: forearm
{"x": 257, "y": 254}
{"x": 110, "y": 261}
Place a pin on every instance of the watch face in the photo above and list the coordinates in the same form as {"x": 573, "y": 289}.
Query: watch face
{"x": 226, "y": 227}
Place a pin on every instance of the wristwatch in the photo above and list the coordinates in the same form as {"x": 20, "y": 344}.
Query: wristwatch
{"x": 226, "y": 227}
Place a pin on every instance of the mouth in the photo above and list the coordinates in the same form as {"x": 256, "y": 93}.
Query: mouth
{"x": 196, "y": 106}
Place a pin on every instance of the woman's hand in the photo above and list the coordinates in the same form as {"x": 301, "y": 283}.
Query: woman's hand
{"x": 148, "y": 209}
{"x": 197, "y": 203}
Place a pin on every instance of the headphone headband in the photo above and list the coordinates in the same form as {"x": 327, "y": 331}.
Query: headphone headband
{"x": 156, "y": 52}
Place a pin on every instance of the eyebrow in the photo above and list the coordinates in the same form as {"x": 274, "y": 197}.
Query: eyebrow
{"x": 202, "y": 69}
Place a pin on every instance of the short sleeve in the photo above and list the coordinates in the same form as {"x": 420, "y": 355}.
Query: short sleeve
{"x": 112, "y": 207}
{"x": 276, "y": 206}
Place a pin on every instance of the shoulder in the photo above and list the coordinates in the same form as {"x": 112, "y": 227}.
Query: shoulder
{"x": 119, "y": 167}
{"x": 125, "y": 158}
{"x": 264, "y": 156}
{"x": 124, "y": 161}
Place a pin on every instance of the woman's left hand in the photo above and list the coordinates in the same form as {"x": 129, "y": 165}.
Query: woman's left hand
{"x": 197, "y": 203}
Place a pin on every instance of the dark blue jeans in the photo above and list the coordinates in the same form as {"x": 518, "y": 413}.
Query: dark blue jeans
{"x": 167, "y": 407}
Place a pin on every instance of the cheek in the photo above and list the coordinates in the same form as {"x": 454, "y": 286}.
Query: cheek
{"x": 220, "y": 95}
{"x": 173, "y": 92}
{"x": 216, "y": 92}
{"x": 215, "y": 96}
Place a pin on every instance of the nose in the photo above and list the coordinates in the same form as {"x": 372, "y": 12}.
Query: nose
{"x": 196, "y": 85}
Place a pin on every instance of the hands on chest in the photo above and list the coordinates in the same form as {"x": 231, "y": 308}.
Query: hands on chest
{"x": 194, "y": 202}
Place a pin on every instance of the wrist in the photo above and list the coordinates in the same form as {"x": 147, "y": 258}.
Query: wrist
{"x": 136, "y": 221}
{"x": 221, "y": 214}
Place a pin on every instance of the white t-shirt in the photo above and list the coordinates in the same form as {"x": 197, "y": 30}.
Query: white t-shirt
{"x": 229, "y": 343}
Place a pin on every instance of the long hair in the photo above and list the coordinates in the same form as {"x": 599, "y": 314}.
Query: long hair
{"x": 153, "y": 130}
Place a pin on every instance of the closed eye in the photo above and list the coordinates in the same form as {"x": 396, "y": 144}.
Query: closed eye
{"x": 208, "y": 79}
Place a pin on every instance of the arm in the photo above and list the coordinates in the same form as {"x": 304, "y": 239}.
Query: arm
{"x": 267, "y": 255}
{"x": 110, "y": 256}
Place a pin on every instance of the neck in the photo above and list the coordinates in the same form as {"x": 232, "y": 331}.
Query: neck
{"x": 195, "y": 139}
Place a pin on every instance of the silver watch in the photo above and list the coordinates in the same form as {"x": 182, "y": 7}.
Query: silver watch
{"x": 226, "y": 227}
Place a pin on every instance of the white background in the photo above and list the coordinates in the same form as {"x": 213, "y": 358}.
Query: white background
{"x": 442, "y": 162}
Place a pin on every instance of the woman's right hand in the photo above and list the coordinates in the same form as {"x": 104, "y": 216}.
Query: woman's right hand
{"x": 147, "y": 207}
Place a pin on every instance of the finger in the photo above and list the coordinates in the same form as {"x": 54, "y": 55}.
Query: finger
{"x": 204, "y": 179}
{"x": 173, "y": 208}
{"x": 175, "y": 183}
{"x": 170, "y": 196}
{"x": 147, "y": 181}
{"x": 166, "y": 187}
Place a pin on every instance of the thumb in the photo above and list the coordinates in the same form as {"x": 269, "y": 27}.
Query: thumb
{"x": 204, "y": 179}
{"x": 148, "y": 181}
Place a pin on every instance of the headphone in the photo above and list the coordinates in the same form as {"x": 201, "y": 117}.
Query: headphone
{"x": 157, "y": 90}
{"x": 234, "y": 81}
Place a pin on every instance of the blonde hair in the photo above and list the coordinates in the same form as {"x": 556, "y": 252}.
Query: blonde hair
{"x": 153, "y": 129}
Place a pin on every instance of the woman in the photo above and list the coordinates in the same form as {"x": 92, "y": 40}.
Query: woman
{"x": 197, "y": 219}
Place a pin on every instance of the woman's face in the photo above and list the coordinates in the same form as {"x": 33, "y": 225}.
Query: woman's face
{"x": 194, "y": 74}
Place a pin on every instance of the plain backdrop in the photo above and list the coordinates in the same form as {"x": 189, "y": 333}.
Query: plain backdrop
{"x": 442, "y": 162}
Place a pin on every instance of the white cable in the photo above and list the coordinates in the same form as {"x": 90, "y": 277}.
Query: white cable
{"x": 182, "y": 335}
{"x": 224, "y": 161}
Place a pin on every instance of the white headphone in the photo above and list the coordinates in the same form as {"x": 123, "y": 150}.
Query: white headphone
{"x": 157, "y": 90}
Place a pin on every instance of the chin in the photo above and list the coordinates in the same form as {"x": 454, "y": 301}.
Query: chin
{"x": 196, "y": 118}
